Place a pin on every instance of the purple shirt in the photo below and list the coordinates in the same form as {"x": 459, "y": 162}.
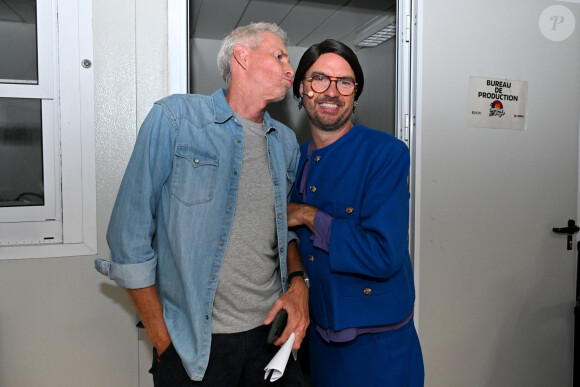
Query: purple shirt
{"x": 349, "y": 334}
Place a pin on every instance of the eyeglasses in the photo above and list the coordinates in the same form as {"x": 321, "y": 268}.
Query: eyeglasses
{"x": 320, "y": 83}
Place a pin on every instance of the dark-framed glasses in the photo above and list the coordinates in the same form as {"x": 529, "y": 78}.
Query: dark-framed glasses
{"x": 320, "y": 83}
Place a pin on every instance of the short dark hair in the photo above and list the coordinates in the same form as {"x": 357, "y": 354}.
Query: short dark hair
{"x": 328, "y": 46}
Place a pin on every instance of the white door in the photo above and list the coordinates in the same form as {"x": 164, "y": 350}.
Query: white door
{"x": 496, "y": 286}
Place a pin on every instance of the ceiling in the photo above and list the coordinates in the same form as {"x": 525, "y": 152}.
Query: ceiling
{"x": 305, "y": 22}
{"x": 18, "y": 11}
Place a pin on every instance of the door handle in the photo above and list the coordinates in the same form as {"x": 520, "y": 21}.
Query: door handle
{"x": 569, "y": 231}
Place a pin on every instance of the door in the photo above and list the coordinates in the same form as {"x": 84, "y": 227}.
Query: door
{"x": 496, "y": 285}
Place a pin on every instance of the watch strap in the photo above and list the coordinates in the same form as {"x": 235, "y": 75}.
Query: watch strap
{"x": 298, "y": 273}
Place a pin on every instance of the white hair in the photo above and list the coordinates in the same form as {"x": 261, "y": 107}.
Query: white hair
{"x": 249, "y": 35}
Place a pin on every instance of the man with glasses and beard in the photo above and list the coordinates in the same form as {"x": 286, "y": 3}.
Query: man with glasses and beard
{"x": 351, "y": 211}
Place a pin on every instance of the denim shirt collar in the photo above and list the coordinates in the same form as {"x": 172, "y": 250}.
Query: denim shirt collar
{"x": 223, "y": 112}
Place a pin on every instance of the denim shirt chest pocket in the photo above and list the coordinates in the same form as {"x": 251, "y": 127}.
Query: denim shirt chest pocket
{"x": 194, "y": 175}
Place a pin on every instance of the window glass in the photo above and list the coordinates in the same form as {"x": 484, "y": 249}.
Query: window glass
{"x": 21, "y": 162}
{"x": 47, "y": 160}
{"x": 18, "y": 45}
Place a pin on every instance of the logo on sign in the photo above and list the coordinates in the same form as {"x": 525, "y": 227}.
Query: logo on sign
{"x": 496, "y": 109}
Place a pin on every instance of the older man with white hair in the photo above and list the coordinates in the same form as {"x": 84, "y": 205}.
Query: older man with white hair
{"x": 198, "y": 234}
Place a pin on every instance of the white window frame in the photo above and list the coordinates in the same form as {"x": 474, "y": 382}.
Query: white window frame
{"x": 72, "y": 133}
{"x": 178, "y": 45}
{"x": 44, "y": 89}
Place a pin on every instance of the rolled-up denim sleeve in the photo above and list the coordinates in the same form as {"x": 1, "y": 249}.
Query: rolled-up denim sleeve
{"x": 130, "y": 275}
{"x": 133, "y": 220}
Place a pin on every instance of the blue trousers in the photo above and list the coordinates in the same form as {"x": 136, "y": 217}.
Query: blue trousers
{"x": 378, "y": 359}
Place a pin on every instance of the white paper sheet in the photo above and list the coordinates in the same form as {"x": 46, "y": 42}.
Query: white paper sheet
{"x": 278, "y": 363}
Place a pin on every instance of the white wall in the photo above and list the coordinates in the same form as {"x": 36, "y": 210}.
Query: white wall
{"x": 61, "y": 322}
{"x": 495, "y": 285}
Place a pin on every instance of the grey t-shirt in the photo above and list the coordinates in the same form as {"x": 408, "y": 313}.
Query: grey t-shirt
{"x": 249, "y": 281}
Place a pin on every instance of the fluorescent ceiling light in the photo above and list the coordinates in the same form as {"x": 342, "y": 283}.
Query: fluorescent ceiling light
{"x": 377, "y": 31}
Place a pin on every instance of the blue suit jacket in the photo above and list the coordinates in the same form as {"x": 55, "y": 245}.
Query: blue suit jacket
{"x": 366, "y": 278}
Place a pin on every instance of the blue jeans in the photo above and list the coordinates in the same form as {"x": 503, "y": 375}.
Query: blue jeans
{"x": 236, "y": 359}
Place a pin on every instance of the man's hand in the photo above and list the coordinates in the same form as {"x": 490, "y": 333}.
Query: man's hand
{"x": 301, "y": 214}
{"x": 295, "y": 302}
{"x": 150, "y": 310}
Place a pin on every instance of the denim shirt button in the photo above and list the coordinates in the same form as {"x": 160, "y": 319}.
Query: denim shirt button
{"x": 221, "y": 243}
{"x": 280, "y": 216}
{"x": 281, "y": 249}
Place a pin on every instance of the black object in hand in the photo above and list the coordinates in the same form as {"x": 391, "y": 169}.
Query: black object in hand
{"x": 278, "y": 326}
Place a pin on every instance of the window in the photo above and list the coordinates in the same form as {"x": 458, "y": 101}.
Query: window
{"x": 47, "y": 183}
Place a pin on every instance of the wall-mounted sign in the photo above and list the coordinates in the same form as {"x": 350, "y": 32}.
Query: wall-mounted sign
{"x": 497, "y": 103}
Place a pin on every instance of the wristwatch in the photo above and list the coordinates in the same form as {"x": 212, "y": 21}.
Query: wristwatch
{"x": 299, "y": 273}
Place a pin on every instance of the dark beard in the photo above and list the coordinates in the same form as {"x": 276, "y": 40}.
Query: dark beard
{"x": 316, "y": 120}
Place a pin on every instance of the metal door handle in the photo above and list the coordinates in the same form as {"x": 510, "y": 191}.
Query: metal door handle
{"x": 570, "y": 230}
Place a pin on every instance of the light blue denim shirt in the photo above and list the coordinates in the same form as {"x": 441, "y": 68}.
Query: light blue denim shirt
{"x": 173, "y": 214}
